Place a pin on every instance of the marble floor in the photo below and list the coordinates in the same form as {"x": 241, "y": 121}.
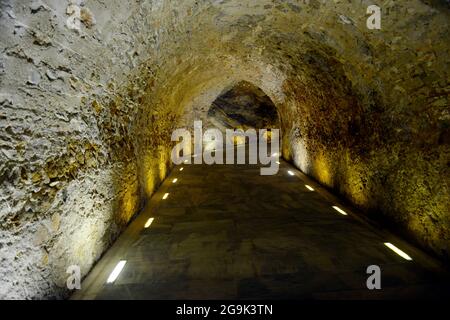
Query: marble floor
{"x": 226, "y": 232}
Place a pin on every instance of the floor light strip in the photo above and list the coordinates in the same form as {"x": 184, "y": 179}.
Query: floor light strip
{"x": 115, "y": 273}
{"x": 165, "y": 196}
{"x": 309, "y": 187}
{"x": 397, "y": 251}
{"x": 340, "y": 210}
{"x": 181, "y": 169}
{"x": 174, "y": 180}
{"x": 291, "y": 173}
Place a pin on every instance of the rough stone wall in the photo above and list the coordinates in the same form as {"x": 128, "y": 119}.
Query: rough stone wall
{"x": 86, "y": 116}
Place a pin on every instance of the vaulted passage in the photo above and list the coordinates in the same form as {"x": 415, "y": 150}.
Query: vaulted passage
{"x": 92, "y": 91}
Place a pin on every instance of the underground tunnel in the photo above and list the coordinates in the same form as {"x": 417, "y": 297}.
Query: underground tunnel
{"x": 243, "y": 106}
{"x": 91, "y": 92}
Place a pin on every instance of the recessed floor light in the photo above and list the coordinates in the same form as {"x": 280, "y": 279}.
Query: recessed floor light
{"x": 186, "y": 161}
{"x": 275, "y": 154}
{"x": 309, "y": 187}
{"x": 148, "y": 223}
{"x": 165, "y": 196}
{"x": 181, "y": 169}
{"x": 291, "y": 173}
{"x": 397, "y": 251}
{"x": 277, "y": 162}
{"x": 115, "y": 273}
{"x": 174, "y": 180}
{"x": 340, "y": 210}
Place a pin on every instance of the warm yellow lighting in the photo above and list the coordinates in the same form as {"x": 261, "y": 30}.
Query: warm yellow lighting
{"x": 174, "y": 180}
{"x": 309, "y": 187}
{"x": 115, "y": 273}
{"x": 397, "y": 251}
{"x": 340, "y": 210}
{"x": 181, "y": 169}
{"x": 148, "y": 223}
{"x": 291, "y": 173}
{"x": 165, "y": 196}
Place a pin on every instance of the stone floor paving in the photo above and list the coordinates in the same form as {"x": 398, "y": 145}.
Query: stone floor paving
{"x": 226, "y": 232}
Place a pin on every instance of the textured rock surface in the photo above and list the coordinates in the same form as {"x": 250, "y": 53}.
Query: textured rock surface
{"x": 86, "y": 116}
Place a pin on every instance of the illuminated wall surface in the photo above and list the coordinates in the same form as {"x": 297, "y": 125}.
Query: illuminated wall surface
{"x": 86, "y": 115}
